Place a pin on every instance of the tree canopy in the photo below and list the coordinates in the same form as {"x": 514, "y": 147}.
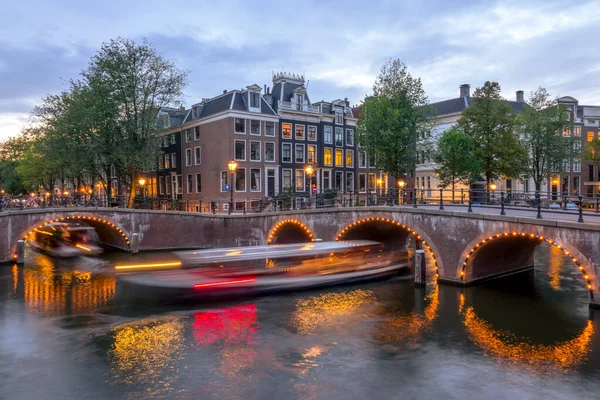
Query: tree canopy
{"x": 455, "y": 160}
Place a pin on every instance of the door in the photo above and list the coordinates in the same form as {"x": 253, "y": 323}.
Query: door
{"x": 270, "y": 182}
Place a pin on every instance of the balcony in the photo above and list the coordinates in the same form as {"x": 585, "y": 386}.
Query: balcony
{"x": 288, "y": 105}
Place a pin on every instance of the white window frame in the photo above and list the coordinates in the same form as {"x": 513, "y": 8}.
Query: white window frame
{"x": 250, "y": 93}
{"x": 274, "y": 152}
{"x": 221, "y": 184}
{"x": 303, "y": 153}
{"x": 198, "y": 160}
{"x": 303, "y": 180}
{"x": 328, "y": 171}
{"x": 235, "y": 131}
{"x": 308, "y": 128}
{"x": 259, "y": 127}
{"x": 330, "y": 128}
{"x": 259, "y": 151}
{"x": 296, "y": 126}
{"x": 189, "y": 183}
{"x": 161, "y": 185}
{"x": 196, "y": 183}
{"x": 266, "y": 130}
{"x": 259, "y": 179}
{"x": 173, "y": 139}
{"x": 346, "y": 182}
{"x": 352, "y": 135}
{"x": 346, "y": 159}
{"x": 338, "y": 129}
{"x": 234, "y": 187}
{"x": 188, "y": 157}
{"x": 576, "y": 165}
{"x": 332, "y": 156}
{"x": 335, "y": 158}
{"x": 196, "y": 133}
{"x": 188, "y": 135}
{"x": 315, "y": 161}
{"x": 292, "y": 177}
{"x": 234, "y": 151}
{"x": 366, "y": 182}
{"x": 364, "y": 158}
{"x": 335, "y": 113}
{"x": 292, "y": 155}
{"x": 291, "y": 130}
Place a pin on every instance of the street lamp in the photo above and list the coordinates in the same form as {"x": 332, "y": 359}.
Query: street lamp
{"x": 232, "y": 167}
{"x": 309, "y": 172}
{"x": 379, "y": 185}
{"x": 493, "y": 186}
{"x": 142, "y": 183}
{"x": 401, "y": 184}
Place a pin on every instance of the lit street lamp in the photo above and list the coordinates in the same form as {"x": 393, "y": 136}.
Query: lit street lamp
{"x": 401, "y": 184}
{"x": 142, "y": 183}
{"x": 309, "y": 172}
{"x": 379, "y": 186}
{"x": 232, "y": 167}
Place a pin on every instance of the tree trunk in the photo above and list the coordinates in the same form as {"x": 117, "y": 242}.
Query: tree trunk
{"x": 452, "y": 192}
{"x": 131, "y": 193}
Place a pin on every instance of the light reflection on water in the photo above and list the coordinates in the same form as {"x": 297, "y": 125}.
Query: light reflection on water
{"x": 378, "y": 341}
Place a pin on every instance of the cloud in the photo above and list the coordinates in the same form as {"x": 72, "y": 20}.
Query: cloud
{"x": 339, "y": 45}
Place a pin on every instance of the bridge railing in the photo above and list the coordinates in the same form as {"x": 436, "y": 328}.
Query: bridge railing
{"x": 504, "y": 201}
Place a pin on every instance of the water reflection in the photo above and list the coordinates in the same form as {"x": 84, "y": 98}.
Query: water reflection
{"x": 146, "y": 353}
{"x": 556, "y": 261}
{"x": 52, "y": 289}
{"x": 230, "y": 325}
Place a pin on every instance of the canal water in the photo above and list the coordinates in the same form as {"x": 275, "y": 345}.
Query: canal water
{"x": 530, "y": 336}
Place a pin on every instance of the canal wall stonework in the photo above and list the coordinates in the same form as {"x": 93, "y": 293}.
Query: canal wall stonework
{"x": 467, "y": 247}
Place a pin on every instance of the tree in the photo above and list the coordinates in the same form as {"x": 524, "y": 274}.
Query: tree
{"x": 394, "y": 120}
{"x": 541, "y": 126}
{"x": 491, "y": 124}
{"x": 138, "y": 81}
{"x": 455, "y": 160}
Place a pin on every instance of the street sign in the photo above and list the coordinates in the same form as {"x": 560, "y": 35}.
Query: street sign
{"x": 227, "y": 187}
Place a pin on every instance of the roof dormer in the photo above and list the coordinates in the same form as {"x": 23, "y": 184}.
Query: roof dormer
{"x": 254, "y": 98}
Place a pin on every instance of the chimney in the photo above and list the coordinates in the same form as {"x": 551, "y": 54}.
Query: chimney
{"x": 265, "y": 89}
{"x": 347, "y": 102}
{"x": 224, "y": 91}
{"x": 520, "y": 98}
{"x": 465, "y": 90}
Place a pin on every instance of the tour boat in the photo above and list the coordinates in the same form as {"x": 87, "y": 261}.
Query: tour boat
{"x": 65, "y": 240}
{"x": 255, "y": 270}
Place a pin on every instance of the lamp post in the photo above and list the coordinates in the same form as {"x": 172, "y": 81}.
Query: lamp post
{"x": 142, "y": 183}
{"x": 401, "y": 184}
{"x": 379, "y": 186}
{"x": 309, "y": 172}
{"x": 493, "y": 187}
{"x": 232, "y": 167}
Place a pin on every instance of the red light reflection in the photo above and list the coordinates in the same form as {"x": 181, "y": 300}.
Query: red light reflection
{"x": 231, "y": 325}
{"x": 221, "y": 283}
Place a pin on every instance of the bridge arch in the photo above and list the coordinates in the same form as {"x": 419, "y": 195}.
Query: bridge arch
{"x": 517, "y": 247}
{"x": 109, "y": 232}
{"x": 423, "y": 238}
{"x": 290, "y": 231}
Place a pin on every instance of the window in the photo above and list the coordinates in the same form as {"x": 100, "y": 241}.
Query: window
{"x": 197, "y": 133}
{"x": 299, "y": 101}
{"x": 240, "y": 180}
{"x": 299, "y": 153}
{"x": 254, "y": 150}
{"x": 327, "y": 156}
{"x": 299, "y": 132}
{"x": 269, "y": 151}
{"x": 371, "y": 182}
{"x": 240, "y": 125}
{"x": 168, "y": 184}
{"x": 254, "y": 100}
{"x": 576, "y": 146}
{"x": 326, "y": 180}
{"x": 188, "y": 157}
{"x": 327, "y": 133}
{"x": 339, "y": 137}
{"x": 590, "y": 136}
{"x": 362, "y": 159}
{"x": 255, "y": 180}
{"x": 223, "y": 180}
{"x": 350, "y": 137}
{"x": 339, "y": 158}
{"x": 286, "y": 131}
{"x": 286, "y": 178}
{"x": 312, "y": 133}
{"x": 166, "y": 141}
{"x": 577, "y": 131}
{"x": 339, "y": 116}
{"x": 371, "y": 159}
{"x": 312, "y": 153}
{"x": 576, "y": 184}
{"x": 179, "y": 184}
{"x": 286, "y": 152}
{"x": 338, "y": 180}
{"x": 198, "y": 183}
{"x": 362, "y": 182}
{"x": 189, "y": 183}
{"x": 300, "y": 180}
{"x": 188, "y": 135}
{"x": 349, "y": 158}
{"x": 167, "y": 161}
{"x": 240, "y": 150}
{"x": 576, "y": 165}
{"x": 566, "y": 131}
{"x": 173, "y": 140}
{"x": 173, "y": 160}
{"x": 566, "y": 165}
{"x": 349, "y": 181}
{"x": 161, "y": 185}
{"x": 270, "y": 129}
{"x": 161, "y": 162}
{"x": 255, "y": 127}
{"x": 197, "y": 155}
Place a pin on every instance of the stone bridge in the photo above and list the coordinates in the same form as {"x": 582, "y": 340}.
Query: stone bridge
{"x": 466, "y": 247}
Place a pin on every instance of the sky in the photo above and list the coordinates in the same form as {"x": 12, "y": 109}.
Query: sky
{"x": 338, "y": 45}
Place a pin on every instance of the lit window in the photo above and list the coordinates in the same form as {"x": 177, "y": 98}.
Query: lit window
{"x": 327, "y": 156}
{"x": 254, "y": 127}
{"x": 327, "y": 134}
{"x": 254, "y": 151}
{"x": 312, "y": 133}
{"x": 349, "y": 158}
{"x": 240, "y": 150}
{"x": 286, "y": 152}
{"x": 286, "y": 131}
{"x": 300, "y": 132}
{"x": 566, "y": 131}
{"x": 300, "y": 180}
{"x": 590, "y": 136}
{"x": 240, "y": 125}
{"x": 339, "y": 136}
{"x": 269, "y": 151}
{"x": 339, "y": 158}
{"x": 312, "y": 153}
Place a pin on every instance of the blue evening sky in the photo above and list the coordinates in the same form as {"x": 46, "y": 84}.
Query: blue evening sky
{"x": 338, "y": 45}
